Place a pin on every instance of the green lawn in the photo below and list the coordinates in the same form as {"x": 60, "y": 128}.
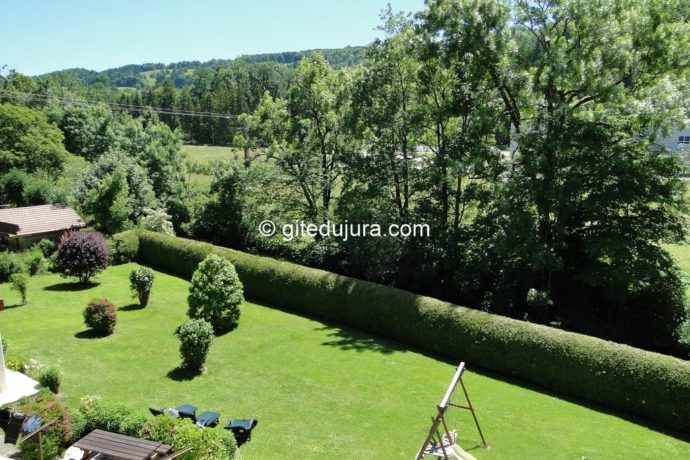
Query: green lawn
{"x": 320, "y": 391}
{"x": 206, "y": 154}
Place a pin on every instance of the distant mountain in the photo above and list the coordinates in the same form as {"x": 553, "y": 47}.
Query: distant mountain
{"x": 142, "y": 75}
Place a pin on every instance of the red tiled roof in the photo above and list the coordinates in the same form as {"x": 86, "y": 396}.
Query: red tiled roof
{"x": 32, "y": 220}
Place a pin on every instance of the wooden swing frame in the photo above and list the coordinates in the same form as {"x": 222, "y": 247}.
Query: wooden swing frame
{"x": 439, "y": 426}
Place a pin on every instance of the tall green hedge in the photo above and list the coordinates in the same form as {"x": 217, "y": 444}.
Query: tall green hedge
{"x": 620, "y": 377}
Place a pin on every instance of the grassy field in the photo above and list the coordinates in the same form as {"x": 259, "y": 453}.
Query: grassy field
{"x": 319, "y": 391}
{"x": 206, "y": 154}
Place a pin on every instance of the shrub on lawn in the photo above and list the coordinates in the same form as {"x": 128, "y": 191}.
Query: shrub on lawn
{"x": 10, "y": 263}
{"x": 17, "y": 363}
{"x": 180, "y": 433}
{"x": 216, "y": 293}
{"x": 51, "y": 378}
{"x": 196, "y": 336}
{"x": 82, "y": 255}
{"x": 124, "y": 247}
{"x": 100, "y": 316}
{"x": 118, "y": 418}
{"x": 20, "y": 283}
{"x": 56, "y": 436}
{"x": 621, "y": 377}
{"x": 47, "y": 247}
{"x": 141, "y": 282}
{"x": 35, "y": 262}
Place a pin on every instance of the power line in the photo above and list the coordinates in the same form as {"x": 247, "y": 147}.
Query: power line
{"x": 117, "y": 106}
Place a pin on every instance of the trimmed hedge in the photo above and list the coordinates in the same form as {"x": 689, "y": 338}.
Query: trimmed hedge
{"x": 621, "y": 377}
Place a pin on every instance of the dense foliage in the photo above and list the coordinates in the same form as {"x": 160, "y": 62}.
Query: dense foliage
{"x": 100, "y": 316}
{"x": 57, "y": 435}
{"x": 141, "y": 282}
{"x": 196, "y": 336}
{"x": 617, "y": 376}
{"x": 117, "y": 418}
{"x": 216, "y": 293}
{"x": 523, "y": 133}
{"x": 51, "y": 378}
{"x": 82, "y": 255}
{"x": 180, "y": 433}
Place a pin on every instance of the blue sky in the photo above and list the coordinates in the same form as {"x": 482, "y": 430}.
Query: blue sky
{"x": 42, "y": 36}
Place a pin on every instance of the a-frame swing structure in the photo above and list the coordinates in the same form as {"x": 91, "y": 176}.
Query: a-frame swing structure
{"x": 441, "y": 440}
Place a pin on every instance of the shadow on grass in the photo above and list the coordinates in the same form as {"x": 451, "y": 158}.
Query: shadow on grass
{"x": 637, "y": 420}
{"x": 15, "y": 305}
{"x": 350, "y": 339}
{"x": 71, "y": 287}
{"x": 89, "y": 334}
{"x": 181, "y": 374}
{"x": 131, "y": 307}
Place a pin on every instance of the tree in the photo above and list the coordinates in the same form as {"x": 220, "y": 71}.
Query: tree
{"x": 306, "y": 134}
{"x": 101, "y": 189}
{"x": 28, "y": 142}
{"x": 109, "y": 203}
{"x": 82, "y": 255}
{"x": 221, "y": 218}
{"x": 216, "y": 293}
{"x": 580, "y": 217}
{"x": 157, "y": 220}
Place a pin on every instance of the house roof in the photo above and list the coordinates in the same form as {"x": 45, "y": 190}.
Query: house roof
{"x": 32, "y": 220}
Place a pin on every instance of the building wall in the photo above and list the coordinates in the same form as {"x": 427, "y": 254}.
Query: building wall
{"x": 671, "y": 142}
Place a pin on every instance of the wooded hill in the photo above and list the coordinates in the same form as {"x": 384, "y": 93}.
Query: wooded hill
{"x": 149, "y": 74}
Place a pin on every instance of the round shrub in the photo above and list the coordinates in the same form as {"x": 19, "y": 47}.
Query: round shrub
{"x": 141, "y": 282}
{"x": 196, "y": 336}
{"x": 118, "y": 418}
{"x": 82, "y": 255}
{"x": 100, "y": 317}
{"x": 47, "y": 247}
{"x": 51, "y": 378}
{"x": 10, "y": 263}
{"x": 216, "y": 293}
{"x": 180, "y": 433}
{"x": 35, "y": 262}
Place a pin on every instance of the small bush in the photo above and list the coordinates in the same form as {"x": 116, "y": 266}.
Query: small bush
{"x": 17, "y": 363}
{"x": 216, "y": 293}
{"x": 196, "y": 336}
{"x": 82, "y": 255}
{"x": 47, "y": 247}
{"x": 78, "y": 427}
{"x": 46, "y": 404}
{"x": 51, "y": 378}
{"x": 118, "y": 418}
{"x": 35, "y": 262}
{"x": 10, "y": 263}
{"x": 124, "y": 247}
{"x": 3, "y": 343}
{"x": 20, "y": 283}
{"x": 180, "y": 433}
{"x": 141, "y": 282}
{"x": 100, "y": 317}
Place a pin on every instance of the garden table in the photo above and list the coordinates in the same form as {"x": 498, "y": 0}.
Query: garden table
{"x": 120, "y": 446}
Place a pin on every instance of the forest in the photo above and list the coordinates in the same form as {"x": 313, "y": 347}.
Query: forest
{"x": 523, "y": 133}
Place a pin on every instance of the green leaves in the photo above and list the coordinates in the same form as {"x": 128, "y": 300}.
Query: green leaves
{"x": 216, "y": 293}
